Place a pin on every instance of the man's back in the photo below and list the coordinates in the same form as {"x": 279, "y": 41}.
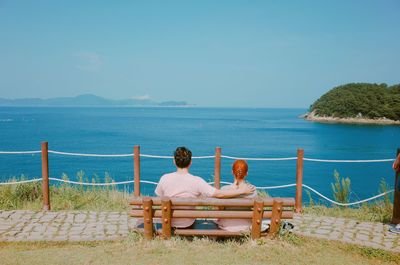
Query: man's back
{"x": 183, "y": 185}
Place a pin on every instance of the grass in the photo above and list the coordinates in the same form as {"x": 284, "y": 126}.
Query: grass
{"x": 374, "y": 212}
{"x": 378, "y": 211}
{"x": 28, "y": 196}
{"x": 134, "y": 250}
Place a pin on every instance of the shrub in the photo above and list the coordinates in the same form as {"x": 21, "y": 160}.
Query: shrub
{"x": 341, "y": 188}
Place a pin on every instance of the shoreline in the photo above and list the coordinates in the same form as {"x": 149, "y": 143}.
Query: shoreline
{"x": 360, "y": 121}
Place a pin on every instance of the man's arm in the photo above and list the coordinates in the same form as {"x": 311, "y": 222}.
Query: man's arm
{"x": 223, "y": 194}
{"x": 159, "y": 191}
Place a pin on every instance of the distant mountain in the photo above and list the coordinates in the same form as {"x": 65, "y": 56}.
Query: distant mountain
{"x": 87, "y": 100}
{"x": 173, "y": 103}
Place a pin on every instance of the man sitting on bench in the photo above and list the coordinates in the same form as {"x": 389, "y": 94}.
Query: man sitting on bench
{"x": 182, "y": 184}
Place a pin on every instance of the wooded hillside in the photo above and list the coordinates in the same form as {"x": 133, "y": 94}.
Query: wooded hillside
{"x": 362, "y": 100}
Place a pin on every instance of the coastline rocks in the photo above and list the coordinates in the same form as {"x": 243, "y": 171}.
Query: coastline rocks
{"x": 312, "y": 116}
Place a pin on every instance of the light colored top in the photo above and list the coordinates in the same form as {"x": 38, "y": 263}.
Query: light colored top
{"x": 235, "y": 225}
{"x": 183, "y": 185}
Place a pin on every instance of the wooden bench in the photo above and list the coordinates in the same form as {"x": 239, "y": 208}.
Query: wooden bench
{"x": 150, "y": 208}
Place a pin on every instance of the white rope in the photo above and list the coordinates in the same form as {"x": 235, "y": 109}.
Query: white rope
{"x": 276, "y": 187}
{"x": 155, "y": 156}
{"x": 89, "y": 155}
{"x": 348, "y": 161}
{"x": 258, "y": 159}
{"x": 19, "y": 152}
{"x": 101, "y": 184}
{"x": 170, "y": 157}
{"x": 91, "y": 184}
{"x": 202, "y": 157}
{"x": 19, "y": 182}
{"x": 149, "y": 182}
{"x": 347, "y": 204}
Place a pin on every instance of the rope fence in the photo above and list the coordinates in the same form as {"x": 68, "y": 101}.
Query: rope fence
{"x": 217, "y": 174}
{"x": 222, "y": 182}
{"x": 202, "y": 157}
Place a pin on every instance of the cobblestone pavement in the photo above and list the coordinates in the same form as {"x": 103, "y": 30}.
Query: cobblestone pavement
{"x": 63, "y": 225}
{"x": 369, "y": 234}
{"x": 90, "y": 226}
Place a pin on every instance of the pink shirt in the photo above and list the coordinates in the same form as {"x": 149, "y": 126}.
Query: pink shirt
{"x": 180, "y": 185}
{"x": 235, "y": 225}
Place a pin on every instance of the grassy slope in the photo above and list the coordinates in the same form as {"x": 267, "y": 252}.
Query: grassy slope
{"x": 134, "y": 250}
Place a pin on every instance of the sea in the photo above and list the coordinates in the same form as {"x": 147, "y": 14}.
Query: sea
{"x": 240, "y": 132}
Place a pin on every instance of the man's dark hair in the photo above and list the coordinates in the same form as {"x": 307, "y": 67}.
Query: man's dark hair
{"x": 182, "y": 157}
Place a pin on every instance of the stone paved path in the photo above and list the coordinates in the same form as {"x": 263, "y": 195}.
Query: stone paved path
{"x": 63, "y": 225}
{"x": 369, "y": 234}
{"x": 90, "y": 226}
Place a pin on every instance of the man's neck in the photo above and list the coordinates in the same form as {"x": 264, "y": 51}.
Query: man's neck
{"x": 182, "y": 170}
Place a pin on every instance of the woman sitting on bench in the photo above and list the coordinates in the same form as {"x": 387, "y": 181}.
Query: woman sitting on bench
{"x": 239, "y": 170}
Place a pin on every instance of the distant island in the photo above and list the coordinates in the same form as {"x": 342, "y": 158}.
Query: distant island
{"x": 87, "y": 100}
{"x": 358, "y": 103}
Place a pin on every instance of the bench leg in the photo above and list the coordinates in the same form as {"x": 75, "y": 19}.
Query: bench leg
{"x": 258, "y": 210}
{"x": 166, "y": 218}
{"x": 276, "y": 218}
{"x": 148, "y": 217}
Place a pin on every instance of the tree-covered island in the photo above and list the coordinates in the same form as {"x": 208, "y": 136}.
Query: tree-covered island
{"x": 361, "y": 103}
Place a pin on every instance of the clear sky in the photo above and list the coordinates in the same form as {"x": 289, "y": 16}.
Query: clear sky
{"x": 209, "y": 53}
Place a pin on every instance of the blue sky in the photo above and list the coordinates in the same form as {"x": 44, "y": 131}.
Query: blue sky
{"x": 209, "y": 53}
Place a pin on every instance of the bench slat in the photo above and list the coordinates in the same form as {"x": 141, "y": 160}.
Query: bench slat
{"x": 238, "y": 202}
{"x": 224, "y": 214}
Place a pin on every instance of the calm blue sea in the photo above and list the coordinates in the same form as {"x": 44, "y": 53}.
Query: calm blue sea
{"x": 240, "y": 132}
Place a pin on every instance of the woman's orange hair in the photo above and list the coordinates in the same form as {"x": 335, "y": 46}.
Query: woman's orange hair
{"x": 239, "y": 169}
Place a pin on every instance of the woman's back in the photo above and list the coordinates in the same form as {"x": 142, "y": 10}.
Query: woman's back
{"x": 235, "y": 225}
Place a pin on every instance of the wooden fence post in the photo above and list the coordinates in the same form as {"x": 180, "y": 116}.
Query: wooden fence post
{"x": 217, "y": 168}
{"x": 148, "y": 217}
{"x": 45, "y": 176}
{"x": 136, "y": 170}
{"x": 299, "y": 180}
{"x": 396, "y": 200}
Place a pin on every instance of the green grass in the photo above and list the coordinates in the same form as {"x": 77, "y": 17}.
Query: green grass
{"x": 135, "y": 250}
{"x": 374, "y": 212}
{"x": 28, "y": 196}
{"x": 380, "y": 210}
